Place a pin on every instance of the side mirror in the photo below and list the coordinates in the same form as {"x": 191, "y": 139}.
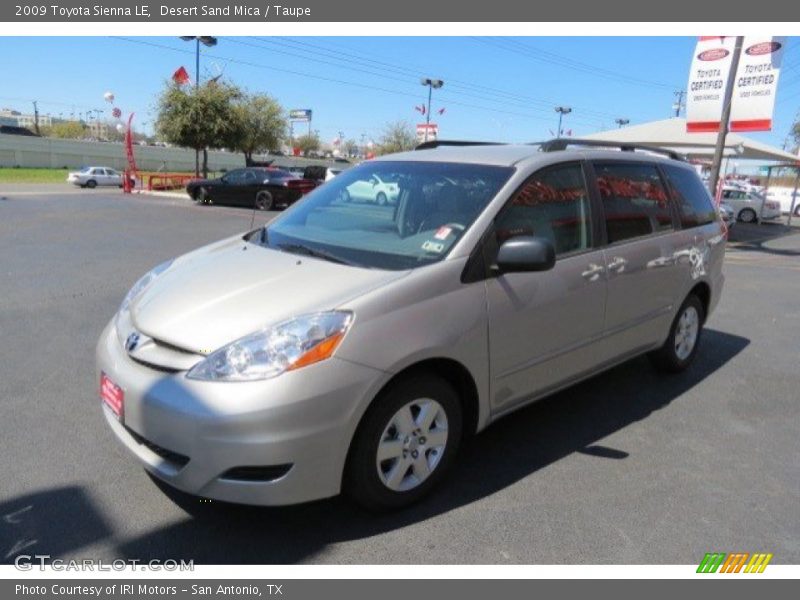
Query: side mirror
{"x": 525, "y": 253}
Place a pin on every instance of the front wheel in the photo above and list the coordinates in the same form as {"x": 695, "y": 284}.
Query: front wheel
{"x": 381, "y": 199}
{"x": 91, "y": 184}
{"x": 405, "y": 444}
{"x": 680, "y": 348}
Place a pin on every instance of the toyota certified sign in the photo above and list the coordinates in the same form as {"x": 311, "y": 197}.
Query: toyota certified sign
{"x": 755, "y": 85}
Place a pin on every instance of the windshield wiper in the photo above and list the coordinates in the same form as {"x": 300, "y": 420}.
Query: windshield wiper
{"x": 307, "y": 251}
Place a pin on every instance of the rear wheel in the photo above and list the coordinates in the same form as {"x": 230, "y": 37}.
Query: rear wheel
{"x": 405, "y": 444}
{"x": 680, "y": 348}
{"x": 264, "y": 200}
{"x": 381, "y": 199}
{"x": 748, "y": 215}
{"x": 91, "y": 184}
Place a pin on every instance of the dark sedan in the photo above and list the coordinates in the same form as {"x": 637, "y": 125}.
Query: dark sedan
{"x": 253, "y": 187}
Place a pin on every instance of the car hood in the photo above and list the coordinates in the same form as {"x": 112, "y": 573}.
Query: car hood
{"x": 222, "y": 292}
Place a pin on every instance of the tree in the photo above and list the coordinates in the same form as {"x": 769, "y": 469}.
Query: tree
{"x": 262, "y": 124}
{"x": 397, "y": 137}
{"x": 796, "y": 133}
{"x": 70, "y": 130}
{"x": 200, "y": 118}
{"x": 307, "y": 143}
{"x": 350, "y": 148}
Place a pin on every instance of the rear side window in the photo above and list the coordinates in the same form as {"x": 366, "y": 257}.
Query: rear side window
{"x": 634, "y": 200}
{"x": 694, "y": 201}
{"x": 553, "y": 204}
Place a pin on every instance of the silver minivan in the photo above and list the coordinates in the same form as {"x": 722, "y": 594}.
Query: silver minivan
{"x": 353, "y": 346}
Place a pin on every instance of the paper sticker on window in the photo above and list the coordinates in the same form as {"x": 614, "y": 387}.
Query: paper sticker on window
{"x": 430, "y": 246}
{"x": 443, "y": 232}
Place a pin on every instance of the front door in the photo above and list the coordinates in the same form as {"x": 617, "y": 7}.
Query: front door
{"x": 544, "y": 327}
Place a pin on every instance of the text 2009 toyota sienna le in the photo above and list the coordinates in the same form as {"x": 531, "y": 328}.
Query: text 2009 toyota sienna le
{"x": 350, "y": 346}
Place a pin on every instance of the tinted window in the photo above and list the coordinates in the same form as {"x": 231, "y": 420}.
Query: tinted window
{"x": 234, "y": 176}
{"x": 552, "y": 204}
{"x": 634, "y": 200}
{"x": 693, "y": 199}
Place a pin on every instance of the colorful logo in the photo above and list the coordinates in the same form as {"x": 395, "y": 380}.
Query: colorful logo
{"x": 734, "y": 562}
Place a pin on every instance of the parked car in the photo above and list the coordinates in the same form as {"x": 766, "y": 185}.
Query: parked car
{"x": 786, "y": 197}
{"x": 92, "y": 177}
{"x": 252, "y": 187}
{"x": 750, "y": 207}
{"x": 345, "y": 348}
{"x": 728, "y": 215}
{"x": 380, "y": 189}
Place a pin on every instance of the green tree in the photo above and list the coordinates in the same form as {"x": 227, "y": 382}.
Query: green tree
{"x": 200, "y": 118}
{"x": 397, "y": 136}
{"x": 351, "y": 147}
{"x": 796, "y": 133}
{"x": 307, "y": 143}
{"x": 70, "y": 130}
{"x": 262, "y": 124}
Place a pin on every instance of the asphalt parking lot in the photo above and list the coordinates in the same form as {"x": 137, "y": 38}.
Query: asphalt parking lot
{"x": 629, "y": 467}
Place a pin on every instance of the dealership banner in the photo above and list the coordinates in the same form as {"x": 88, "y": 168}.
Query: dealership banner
{"x": 755, "y": 85}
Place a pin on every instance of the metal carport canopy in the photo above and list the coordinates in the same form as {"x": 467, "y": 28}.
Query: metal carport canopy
{"x": 671, "y": 134}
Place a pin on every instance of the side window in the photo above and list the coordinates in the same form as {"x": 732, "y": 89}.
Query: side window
{"x": 553, "y": 204}
{"x": 634, "y": 200}
{"x": 694, "y": 201}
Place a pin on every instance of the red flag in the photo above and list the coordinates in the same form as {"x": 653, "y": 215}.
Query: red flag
{"x": 441, "y": 111}
{"x": 181, "y": 76}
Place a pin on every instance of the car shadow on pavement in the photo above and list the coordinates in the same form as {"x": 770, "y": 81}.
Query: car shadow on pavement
{"x": 769, "y": 238}
{"x": 50, "y": 522}
{"x": 510, "y": 450}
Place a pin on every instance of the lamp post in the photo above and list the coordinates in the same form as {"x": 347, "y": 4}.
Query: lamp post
{"x": 561, "y": 110}
{"x": 433, "y": 84}
{"x": 622, "y": 122}
{"x": 208, "y": 41}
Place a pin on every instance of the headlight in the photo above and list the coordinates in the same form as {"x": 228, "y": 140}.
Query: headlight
{"x": 123, "y": 320}
{"x": 272, "y": 351}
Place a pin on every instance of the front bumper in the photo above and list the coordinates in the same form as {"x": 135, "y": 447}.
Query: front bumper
{"x": 189, "y": 433}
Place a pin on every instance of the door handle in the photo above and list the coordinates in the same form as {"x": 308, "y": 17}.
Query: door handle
{"x": 617, "y": 264}
{"x": 592, "y": 273}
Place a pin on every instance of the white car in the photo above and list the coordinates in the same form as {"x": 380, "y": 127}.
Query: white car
{"x": 784, "y": 196}
{"x": 373, "y": 189}
{"x": 750, "y": 207}
{"x": 91, "y": 177}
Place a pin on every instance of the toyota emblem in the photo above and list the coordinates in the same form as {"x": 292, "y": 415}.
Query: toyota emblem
{"x": 132, "y": 342}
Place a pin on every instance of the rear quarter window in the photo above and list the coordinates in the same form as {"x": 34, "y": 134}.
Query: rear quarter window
{"x": 694, "y": 202}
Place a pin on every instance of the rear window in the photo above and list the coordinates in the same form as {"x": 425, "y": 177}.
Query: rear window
{"x": 634, "y": 200}
{"x": 694, "y": 201}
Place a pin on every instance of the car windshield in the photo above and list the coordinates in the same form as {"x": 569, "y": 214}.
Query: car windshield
{"x": 387, "y": 215}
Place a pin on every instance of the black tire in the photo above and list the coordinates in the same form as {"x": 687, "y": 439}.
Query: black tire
{"x": 91, "y": 184}
{"x": 666, "y": 358}
{"x": 361, "y": 480}
{"x": 381, "y": 199}
{"x": 264, "y": 201}
{"x": 201, "y": 195}
{"x": 748, "y": 215}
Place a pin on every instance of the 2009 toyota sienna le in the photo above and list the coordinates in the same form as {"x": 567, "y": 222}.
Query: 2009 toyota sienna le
{"x": 351, "y": 347}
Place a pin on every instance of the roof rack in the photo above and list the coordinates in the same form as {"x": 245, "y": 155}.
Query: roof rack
{"x": 437, "y": 143}
{"x": 563, "y": 143}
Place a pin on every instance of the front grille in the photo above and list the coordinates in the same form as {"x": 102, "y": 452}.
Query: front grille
{"x": 252, "y": 473}
{"x": 176, "y": 459}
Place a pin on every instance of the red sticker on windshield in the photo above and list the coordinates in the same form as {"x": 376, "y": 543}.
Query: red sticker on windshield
{"x": 443, "y": 232}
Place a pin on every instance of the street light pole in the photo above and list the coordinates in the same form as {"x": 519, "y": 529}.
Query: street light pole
{"x": 726, "y": 117}
{"x": 561, "y": 110}
{"x": 432, "y": 84}
{"x": 209, "y": 41}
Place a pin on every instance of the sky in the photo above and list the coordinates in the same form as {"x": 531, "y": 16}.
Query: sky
{"x": 495, "y": 88}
